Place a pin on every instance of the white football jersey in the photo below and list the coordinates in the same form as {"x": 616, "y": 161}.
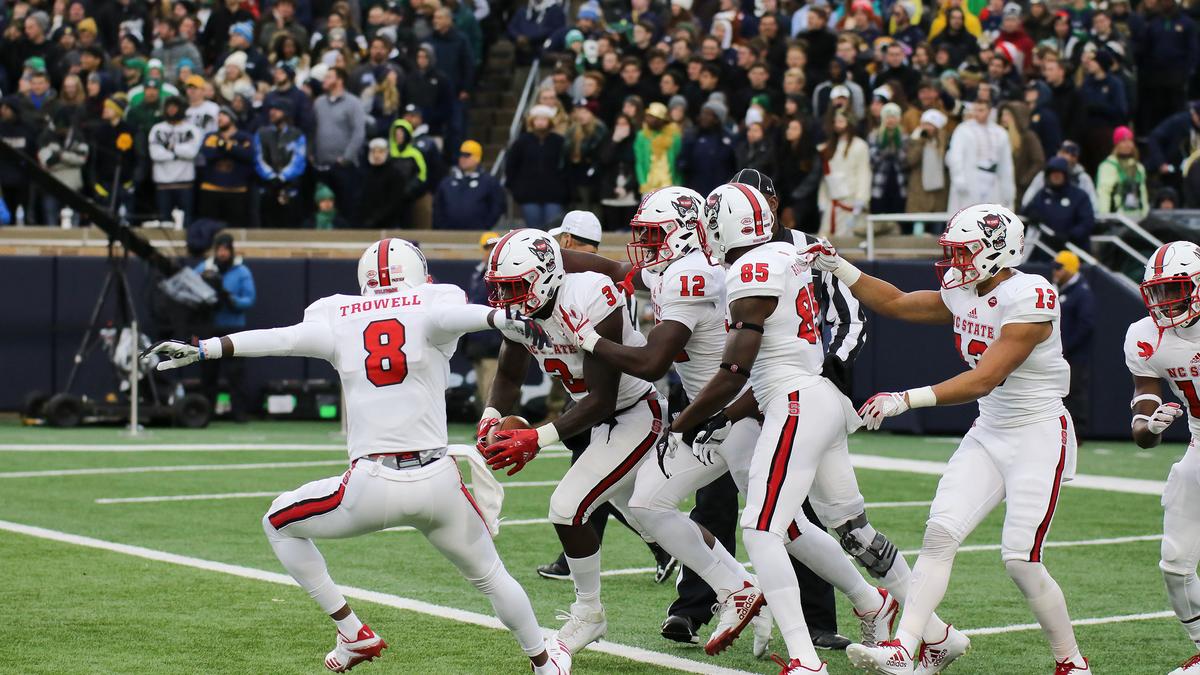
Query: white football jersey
{"x": 791, "y": 354}
{"x": 1175, "y": 358}
{"x": 692, "y": 291}
{"x": 392, "y": 354}
{"x": 596, "y": 296}
{"x": 1034, "y": 391}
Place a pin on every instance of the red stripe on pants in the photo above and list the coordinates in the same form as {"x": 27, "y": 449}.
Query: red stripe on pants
{"x": 1035, "y": 555}
{"x": 779, "y": 464}
{"x": 308, "y": 508}
{"x": 625, "y": 466}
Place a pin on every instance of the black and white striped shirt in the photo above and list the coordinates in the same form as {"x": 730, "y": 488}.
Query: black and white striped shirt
{"x": 840, "y": 310}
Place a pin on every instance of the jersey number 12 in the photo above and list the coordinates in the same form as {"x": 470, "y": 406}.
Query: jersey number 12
{"x": 386, "y": 363}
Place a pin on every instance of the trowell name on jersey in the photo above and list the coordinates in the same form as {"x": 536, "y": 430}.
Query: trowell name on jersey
{"x": 968, "y": 327}
{"x": 380, "y": 303}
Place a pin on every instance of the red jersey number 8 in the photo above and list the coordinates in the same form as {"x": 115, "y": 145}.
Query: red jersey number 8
{"x": 386, "y": 363}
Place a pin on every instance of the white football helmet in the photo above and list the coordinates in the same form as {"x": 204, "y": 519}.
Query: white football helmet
{"x": 666, "y": 227}
{"x": 389, "y": 265}
{"x": 735, "y": 215}
{"x": 524, "y": 270}
{"x": 979, "y": 241}
{"x": 1170, "y": 285}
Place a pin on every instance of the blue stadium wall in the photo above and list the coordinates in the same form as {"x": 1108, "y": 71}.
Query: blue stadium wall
{"x": 48, "y": 301}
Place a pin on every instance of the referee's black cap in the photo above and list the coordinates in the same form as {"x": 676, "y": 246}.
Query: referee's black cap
{"x": 755, "y": 179}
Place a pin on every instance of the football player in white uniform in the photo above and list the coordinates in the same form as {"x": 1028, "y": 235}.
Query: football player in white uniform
{"x": 391, "y": 347}
{"x": 1166, "y": 345}
{"x": 625, "y": 415}
{"x": 1022, "y": 447}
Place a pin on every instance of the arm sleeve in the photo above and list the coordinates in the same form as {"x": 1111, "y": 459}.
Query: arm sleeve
{"x": 1104, "y": 185}
{"x": 358, "y": 132}
{"x": 158, "y": 151}
{"x": 1138, "y": 347}
{"x": 448, "y": 323}
{"x": 1031, "y": 304}
{"x": 846, "y": 319}
{"x": 244, "y": 293}
{"x": 264, "y": 171}
{"x": 295, "y": 167}
{"x": 190, "y": 148}
{"x": 312, "y": 337}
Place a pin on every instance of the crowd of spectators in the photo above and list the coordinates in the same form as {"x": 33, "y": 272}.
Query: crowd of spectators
{"x": 290, "y": 112}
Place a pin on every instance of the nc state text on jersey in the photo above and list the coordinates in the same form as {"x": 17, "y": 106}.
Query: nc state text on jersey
{"x": 972, "y": 328}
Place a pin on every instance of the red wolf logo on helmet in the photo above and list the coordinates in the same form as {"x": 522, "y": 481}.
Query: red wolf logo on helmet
{"x": 688, "y": 210}
{"x": 541, "y": 248}
{"x": 994, "y": 228}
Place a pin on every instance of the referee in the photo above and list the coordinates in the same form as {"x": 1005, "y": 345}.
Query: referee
{"x": 717, "y": 503}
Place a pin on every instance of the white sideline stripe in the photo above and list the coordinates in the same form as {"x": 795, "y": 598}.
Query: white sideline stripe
{"x": 974, "y": 548}
{"x": 1108, "y": 483}
{"x": 503, "y": 524}
{"x": 168, "y": 469}
{"x": 168, "y": 447}
{"x": 1017, "y": 628}
{"x": 387, "y": 599}
{"x": 276, "y": 493}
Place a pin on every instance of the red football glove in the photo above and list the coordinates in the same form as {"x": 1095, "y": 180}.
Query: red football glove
{"x": 513, "y": 448}
{"x": 481, "y": 431}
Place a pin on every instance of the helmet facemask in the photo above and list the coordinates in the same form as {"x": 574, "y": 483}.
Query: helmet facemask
{"x": 648, "y": 247}
{"x": 957, "y": 269}
{"x": 1171, "y": 301}
{"x": 505, "y": 292}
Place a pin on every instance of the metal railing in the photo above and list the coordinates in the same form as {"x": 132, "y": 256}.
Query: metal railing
{"x": 869, "y": 243}
{"x": 518, "y": 116}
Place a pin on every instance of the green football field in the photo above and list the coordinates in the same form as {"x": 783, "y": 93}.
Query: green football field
{"x": 146, "y": 555}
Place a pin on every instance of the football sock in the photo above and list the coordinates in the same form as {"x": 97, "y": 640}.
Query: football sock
{"x": 681, "y": 537}
{"x": 822, "y": 554}
{"x": 731, "y": 563}
{"x": 585, "y": 572}
{"x": 896, "y": 581}
{"x": 1184, "y": 592}
{"x": 777, "y": 579}
{"x": 1049, "y": 606}
{"x": 927, "y": 585}
{"x": 304, "y": 562}
{"x": 512, "y": 607}
{"x": 349, "y": 626}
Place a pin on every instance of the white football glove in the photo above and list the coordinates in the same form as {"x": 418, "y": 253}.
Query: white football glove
{"x": 1162, "y": 418}
{"x": 822, "y": 256}
{"x": 579, "y": 329}
{"x": 709, "y": 437}
{"x": 881, "y": 405}
{"x": 174, "y": 354}
{"x": 523, "y": 329}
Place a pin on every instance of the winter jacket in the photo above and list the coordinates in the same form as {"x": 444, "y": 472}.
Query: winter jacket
{"x": 430, "y": 91}
{"x": 919, "y": 199}
{"x": 171, "y": 53}
{"x": 1122, "y": 191}
{"x": 21, "y": 136}
{"x": 405, "y": 152}
{"x": 238, "y": 283}
{"x": 1079, "y": 178}
{"x": 1044, "y": 121}
{"x": 112, "y": 151}
{"x": 468, "y": 201}
{"x": 1067, "y": 210}
{"x": 301, "y": 107}
{"x": 981, "y": 166}
{"x": 279, "y": 153}
{"x": 534, "y": 169}
{"x": 228, "y": 164}
{"x": 961, "y": 45}
{"x": 1104, "y": 101}
{"x": 760, "y": 155}
{"x": 454, "y": 58}
{"x": 1172, "y": 141}
{"x": 1030, "y": 158}
{"x": 173, "y": 149}
{"x": 536, "y": 21}
{"x": 797, "y": 186}
{"x": 435, "y": 164}
{"x": 707, "y": 159}
{"x": 389, "y": 189}
{"x": 1068, "y": 105}
{"x": 64, "y": 155}
{"x": 1167, "y": 49}
{"x": 1078, "y": 321}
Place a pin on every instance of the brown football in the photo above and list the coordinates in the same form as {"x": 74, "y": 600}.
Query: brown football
{"x": 507, "y": 424}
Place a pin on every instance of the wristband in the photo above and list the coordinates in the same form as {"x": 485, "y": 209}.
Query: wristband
{"x": 547, "y": 435}
{"x": 1136, "y": 418}
{"x": 1145, "y": 397}
{"x": 490, "y": 413}
{"x": 846, "y": 273}
{"x": 922, "y": 397}
{"x": 210, "y": 348}
{"x": 589, "y": 342}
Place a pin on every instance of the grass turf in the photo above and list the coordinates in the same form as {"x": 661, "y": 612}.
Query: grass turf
{"x": 81, "y": 610}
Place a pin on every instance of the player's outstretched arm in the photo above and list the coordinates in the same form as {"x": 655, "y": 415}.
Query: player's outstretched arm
{"x": 311, "y": 338}
{"x": 747, "y": 316}
{"x": 879, "y": 295}
{"x": 1151, "y": 416}
{"x": 450, "y": 323}
{"x": 1015, "y": 344}
{"x": 649, "y": 362}
{"x": 621, "y": 273}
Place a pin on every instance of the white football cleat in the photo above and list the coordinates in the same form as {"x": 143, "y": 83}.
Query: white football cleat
{"x": 876, "y": 627}
{"x": 886, "y": 658}
{"x": 346, "y": 654}
{"x": 1189, "y": 667}
{"x": 558, "y": 660}
{"x": 762, "y": 625}
{"x": 583, "y": 627}
{"x": 736, "y": 612}
{"x": 794, "y": 667}
{"x": 1068, "y": 668}
{"x": 933, "y": 658}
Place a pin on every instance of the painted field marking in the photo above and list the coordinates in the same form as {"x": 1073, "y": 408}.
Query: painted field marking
{"x": 440, "y": 611}
{"x": 555, "y": 451}
{"x": 1017, "y": 628}
{"x": 974, "y": 548}
{"x": 245, "y": 495}
{"x": 503, "y": 524}
{"x": 168, "y": 469}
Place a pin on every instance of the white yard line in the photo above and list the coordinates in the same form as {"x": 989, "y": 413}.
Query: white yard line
{"x": 168, "y": 447}
{"x": 503, "y": 524}
{"x": 243, "y": 495}
{"x": 387, "y": 599}
{"x": 974, "y": 548}
{"x": 1017, "y": 628}
{"x": 1107, "y": 483}
{"x": 168, "y": 469}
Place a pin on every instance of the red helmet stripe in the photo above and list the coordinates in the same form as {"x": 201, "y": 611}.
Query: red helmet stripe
{"x": 758, "y": 215}
{"x": 1159, "y": 258}
{"x": 496, "y": 249}
{"x": 381, "y": 263}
